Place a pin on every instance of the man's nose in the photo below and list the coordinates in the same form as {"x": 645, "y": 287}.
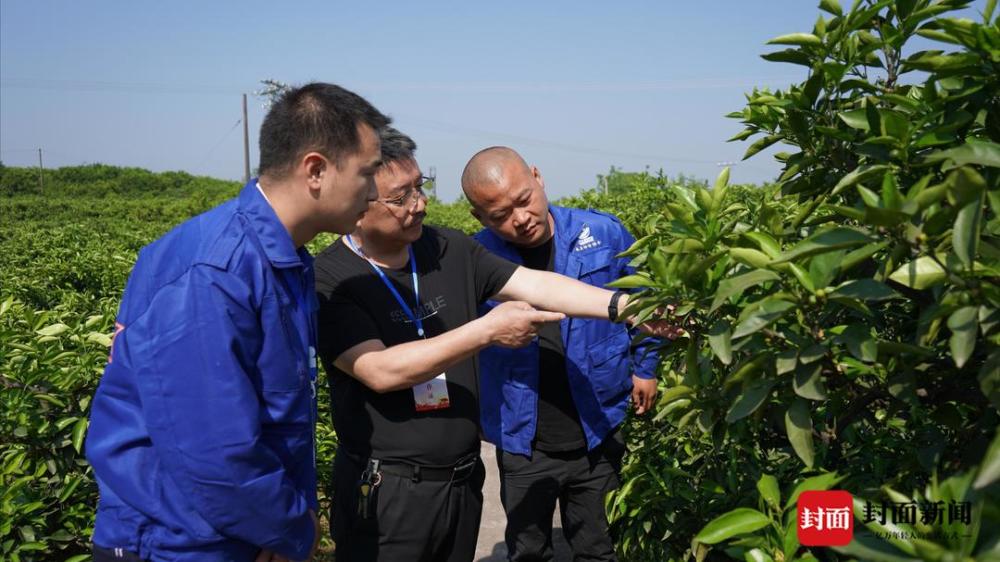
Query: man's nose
{"x": 421, "y": 204}
{"x": 521, "y": 217}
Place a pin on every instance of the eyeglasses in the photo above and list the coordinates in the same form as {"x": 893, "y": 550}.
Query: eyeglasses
{"x": 409, "y": 199}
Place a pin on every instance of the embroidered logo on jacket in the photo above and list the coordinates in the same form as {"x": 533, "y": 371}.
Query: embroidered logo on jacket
{"x": 586, "y": 241}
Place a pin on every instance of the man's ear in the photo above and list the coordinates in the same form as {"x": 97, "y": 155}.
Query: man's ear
{"x": 538, "y": 177}
{"x": 314, "y": 166}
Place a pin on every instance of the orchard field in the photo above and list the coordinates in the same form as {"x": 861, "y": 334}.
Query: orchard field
{"x": 848, "y": 314}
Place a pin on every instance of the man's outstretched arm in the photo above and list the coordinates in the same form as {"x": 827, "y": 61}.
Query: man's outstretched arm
{"x": 384, "y": 369}
{"x": 552, "y": 291}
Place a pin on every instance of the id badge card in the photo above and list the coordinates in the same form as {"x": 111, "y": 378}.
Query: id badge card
{"x": 432, "y": 395}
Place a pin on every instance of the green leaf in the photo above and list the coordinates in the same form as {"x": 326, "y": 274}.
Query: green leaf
{"x": 798, "y": 425}
{"x": 862, "y": 254}
{"x": 831, "y": 7}
{"x": 792, "y": 56}
{"x": 740, "y": 283}
{"x": 855, "y": 119}
{"x": 786, "y": 361}
{"x": 53, "y": 330}
{"x": 675, "y": 392}
{"x": 989, "y": 471}
{"x": 757, "y": 555}
{"x": 919, "y": 274}
{"x": 749, "y": 256}
{"x": 79, "y": 432}
{"x": 824, "y": 268}
{"x": 723, "y": 180}
{"x": 859, "y": 174}
{"x": 859, "y": 342}
{"x": 720, "y": 339}
{"x": 836, "y": 238}
{"x": 974, "y": 151}
{"x": 770, "y": 310}
{"x": 631, "y": 282}
{"x": 824, "y": 481}
{"x": 790, "y": 542}
{"x": 965, "y": 236}
{"x": 765, "y": 242}
{"x": 658, "y": 265}
{"x": 752, "y": 396}
{"x": 683, "y": 246}
{"x": 965, "y": 185}
{"x": 739, "y": 521}
{"x": 808, "y": 382}
{"x": 801, "y": 39}
{"x": 866, "y": 290}
{"x": 894, "y": 124}
{"x": 802, "y": 276}
{"x": 761, "y": 145}
{"x": 767, "y": 485}
{"x": 964, "y": 325}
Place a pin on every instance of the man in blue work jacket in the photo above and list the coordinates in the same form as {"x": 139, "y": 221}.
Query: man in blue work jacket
{"x": 553, "y": 408}
{"x": 202, "y": 429}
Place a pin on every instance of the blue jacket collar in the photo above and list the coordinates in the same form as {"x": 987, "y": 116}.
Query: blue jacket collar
{"x": 277, "y": 243}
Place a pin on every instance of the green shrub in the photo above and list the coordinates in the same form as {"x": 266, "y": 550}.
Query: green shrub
{"x": 847, "y": 315}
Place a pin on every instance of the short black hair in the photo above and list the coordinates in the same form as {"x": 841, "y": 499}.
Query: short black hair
{"x": 396, "y": 147}
{"x": 317, "y": 117}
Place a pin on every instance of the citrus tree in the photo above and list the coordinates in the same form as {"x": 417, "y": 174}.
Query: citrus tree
{"x": 847, "y": 317}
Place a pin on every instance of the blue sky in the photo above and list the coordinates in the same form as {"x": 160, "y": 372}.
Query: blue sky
{"x": 575, "y": 87}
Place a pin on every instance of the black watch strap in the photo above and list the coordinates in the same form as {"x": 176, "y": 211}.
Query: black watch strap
{"x": 613, "y": 312}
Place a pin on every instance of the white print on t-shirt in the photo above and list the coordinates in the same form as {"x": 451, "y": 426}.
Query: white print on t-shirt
{"x": 586, "y": 241}
{"x": 425, "y": 310}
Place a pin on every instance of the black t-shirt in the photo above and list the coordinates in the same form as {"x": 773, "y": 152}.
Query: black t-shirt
{"x": 456, "y": 274}
{"x": 558, "y": 426}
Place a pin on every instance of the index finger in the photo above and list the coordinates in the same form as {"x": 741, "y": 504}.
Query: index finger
{"x": 546, "y": 316}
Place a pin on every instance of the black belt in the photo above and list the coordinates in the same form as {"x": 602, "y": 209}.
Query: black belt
{"x": 457, "y": 472}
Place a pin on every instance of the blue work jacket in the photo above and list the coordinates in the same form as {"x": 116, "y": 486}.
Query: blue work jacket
{"x": 202, "y": 429}
{"x": 598, "y": 359}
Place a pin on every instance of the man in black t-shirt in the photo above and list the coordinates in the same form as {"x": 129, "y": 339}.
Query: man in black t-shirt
{"x": 398, "y": 334}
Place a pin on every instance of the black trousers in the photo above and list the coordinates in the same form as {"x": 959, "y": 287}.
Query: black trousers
{"x": 412, "y": 520}
{"x": 579, "y": 480}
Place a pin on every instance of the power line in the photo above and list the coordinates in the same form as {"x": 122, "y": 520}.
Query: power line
{"x": 493, "y": 135}
{"x": 219, "y": 143}
{"x": 123, "y": 87}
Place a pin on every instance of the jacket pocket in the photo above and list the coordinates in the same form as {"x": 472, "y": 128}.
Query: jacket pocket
{"x": 283, "y": 364}
{"x": 517, "y": 407}
{"x": 615, "y": 346}
{"x": 595, "y": 267}
{"x": 609, "y": 366}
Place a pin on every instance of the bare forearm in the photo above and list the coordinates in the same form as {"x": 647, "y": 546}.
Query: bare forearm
{"x": 551, "y": 291}
{"x": 405, "y": 365}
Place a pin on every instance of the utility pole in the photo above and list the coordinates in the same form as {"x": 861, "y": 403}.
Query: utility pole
{"x": 246, "y": 143}
{"x": 41, "y": 184}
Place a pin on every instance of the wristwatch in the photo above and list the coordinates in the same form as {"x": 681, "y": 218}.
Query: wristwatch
{"x": 613, "y": 311}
